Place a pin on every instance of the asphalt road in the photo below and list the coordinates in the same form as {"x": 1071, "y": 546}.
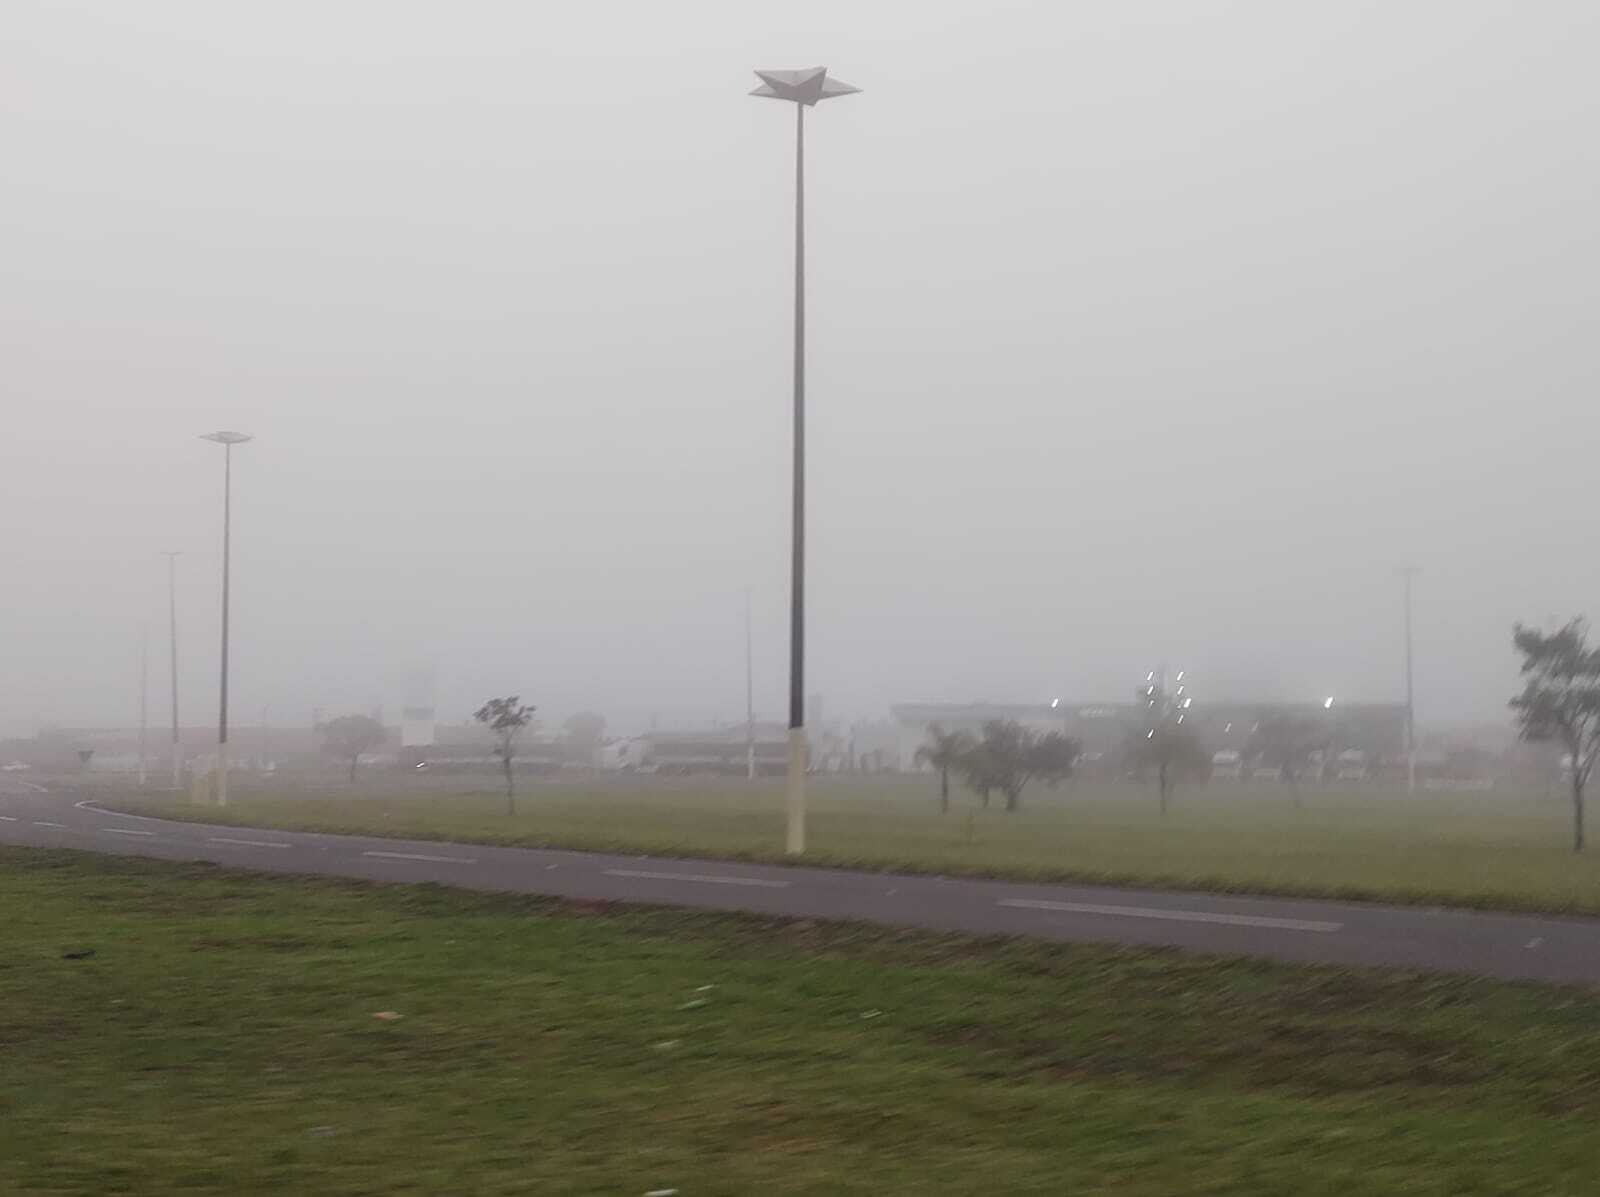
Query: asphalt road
{"x": 1543, "y": 948}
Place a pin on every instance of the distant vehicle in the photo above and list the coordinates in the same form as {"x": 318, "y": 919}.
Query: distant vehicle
{"x": 1227, "y": 763}
{"x": 1350, "y": 765}
{"x": 15, "y": 767}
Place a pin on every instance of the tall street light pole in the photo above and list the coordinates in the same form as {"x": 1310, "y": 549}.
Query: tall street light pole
{"x": 172, "y": 641}
{"x": 804, "y": 89}
{"x": 749, "y": 697}
{"x": 144, "y": 700}
{"x": 1408, "y": 573}
{"x": 227, "y": 440}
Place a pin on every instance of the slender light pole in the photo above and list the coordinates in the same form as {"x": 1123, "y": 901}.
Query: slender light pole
{"x": 144, "y": 702}
{"x": 172, "y": 640}
{"x": 227, "y": 440}
{"x": 1411, "y": 714}
{"x": 805, "y": 89}
{"x": 749, "y": 697}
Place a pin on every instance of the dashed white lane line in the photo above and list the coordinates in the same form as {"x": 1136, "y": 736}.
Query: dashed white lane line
{"x": 222, "y": 839}
{"x": 42, "y": 823}
{"x": 707, "y": 878}
{"x": 421, "y": 856}
{"x": 1177, "y": 916}
{"x": 124, "y": 831}
{"x": 8, "y": 818}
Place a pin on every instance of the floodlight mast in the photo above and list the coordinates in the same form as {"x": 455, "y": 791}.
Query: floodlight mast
{"x": 227, "y": 440}
{"x": 805, "y": 89}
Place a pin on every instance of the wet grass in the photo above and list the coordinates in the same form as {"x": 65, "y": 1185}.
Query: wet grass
{"x": 222, "y": 1039}
{"x": 1507, "y": 852}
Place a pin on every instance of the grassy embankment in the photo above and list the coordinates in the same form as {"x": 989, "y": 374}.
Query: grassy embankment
{"x": 222, "y": 1039}
{"x": 1497, "y": 852}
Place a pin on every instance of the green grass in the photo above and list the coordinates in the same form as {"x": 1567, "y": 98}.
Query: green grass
{"x": 221, "y": 1040}
{"x": 1507, "y": 852}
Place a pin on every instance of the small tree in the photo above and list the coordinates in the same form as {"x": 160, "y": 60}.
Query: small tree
{"x": 945, "y": 751}
{"x": 348, "y": 736}
{"x": 1561, "y": 701}
{"x": 1173, "y": 751}
{"x": 506, "y": 718}
{"x": 1164, "y": 741}
{"x": 584, "y": 732}
{"x": 1053, "y": 756}
{"x": 1283, "y": 739}
{"x": 1003, "y": 759}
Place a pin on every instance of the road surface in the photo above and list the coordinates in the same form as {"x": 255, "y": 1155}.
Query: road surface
{"x": 1532, "y": 947}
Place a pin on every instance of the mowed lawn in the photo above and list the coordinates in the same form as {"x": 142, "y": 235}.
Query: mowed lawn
{"x": 1507, "y": 851}
{"x": 222, "y": 1038}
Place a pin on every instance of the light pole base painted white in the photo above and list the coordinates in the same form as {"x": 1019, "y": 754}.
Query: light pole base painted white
{"x": 795, "y": 843}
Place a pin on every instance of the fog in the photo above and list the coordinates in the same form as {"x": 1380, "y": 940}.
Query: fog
{"x": 1138, "y": 333}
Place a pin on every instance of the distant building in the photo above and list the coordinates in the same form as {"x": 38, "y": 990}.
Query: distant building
{"x": 716, "y": 750}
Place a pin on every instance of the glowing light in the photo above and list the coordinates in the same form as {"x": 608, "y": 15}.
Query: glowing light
{"x": 1054, "y": 703}
{"x": 1327, "y": 704}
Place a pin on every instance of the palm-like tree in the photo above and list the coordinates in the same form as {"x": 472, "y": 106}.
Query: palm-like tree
{"x": 945, "y": 751}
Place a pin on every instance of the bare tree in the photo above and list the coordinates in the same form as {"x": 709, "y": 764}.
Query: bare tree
{"x": 1560, "y": 701}
{"x": 506, "y": 718}
{"x": 348, "y": 736}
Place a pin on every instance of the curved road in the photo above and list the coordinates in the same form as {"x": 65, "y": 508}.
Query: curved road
{"x": 1543, "y": 948}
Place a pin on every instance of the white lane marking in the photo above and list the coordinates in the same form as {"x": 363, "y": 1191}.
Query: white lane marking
{"x": 89, "y": 805}
{"x": 42, "y": 823}
{"x": 37, "y": 789}
{"x": 8, "y": 818}
{"x": 420, "y": 856}
{"x": 222, "y": 839}
{"x": 1535, "y": 942}
{"x": 707, "y": 878}
{"x": 1178, "y": 916}
{"x": 124, "y": 831}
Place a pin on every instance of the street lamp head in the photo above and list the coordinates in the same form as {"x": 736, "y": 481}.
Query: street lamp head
{"x": 227, "y": 438}
{"x": 808, "y": 87}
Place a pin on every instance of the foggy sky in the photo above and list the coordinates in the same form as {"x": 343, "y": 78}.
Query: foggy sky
{"x": 1139, "y": 333}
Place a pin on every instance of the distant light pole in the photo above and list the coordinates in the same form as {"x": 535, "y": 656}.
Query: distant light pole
{"x": 805, "y": 89}
{"x": 172, "y": 638}
{"x": 1327, "y": 753}
{"x": 1408, "y": 573}
{"x": 144, "y": 701}
{"x": 227, "y": 440}
{"x": 749, "y": 697}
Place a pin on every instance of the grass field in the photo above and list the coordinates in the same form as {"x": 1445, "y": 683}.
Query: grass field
{"x": 1492, "y": 851}
{"x": 221, "y": 1039}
